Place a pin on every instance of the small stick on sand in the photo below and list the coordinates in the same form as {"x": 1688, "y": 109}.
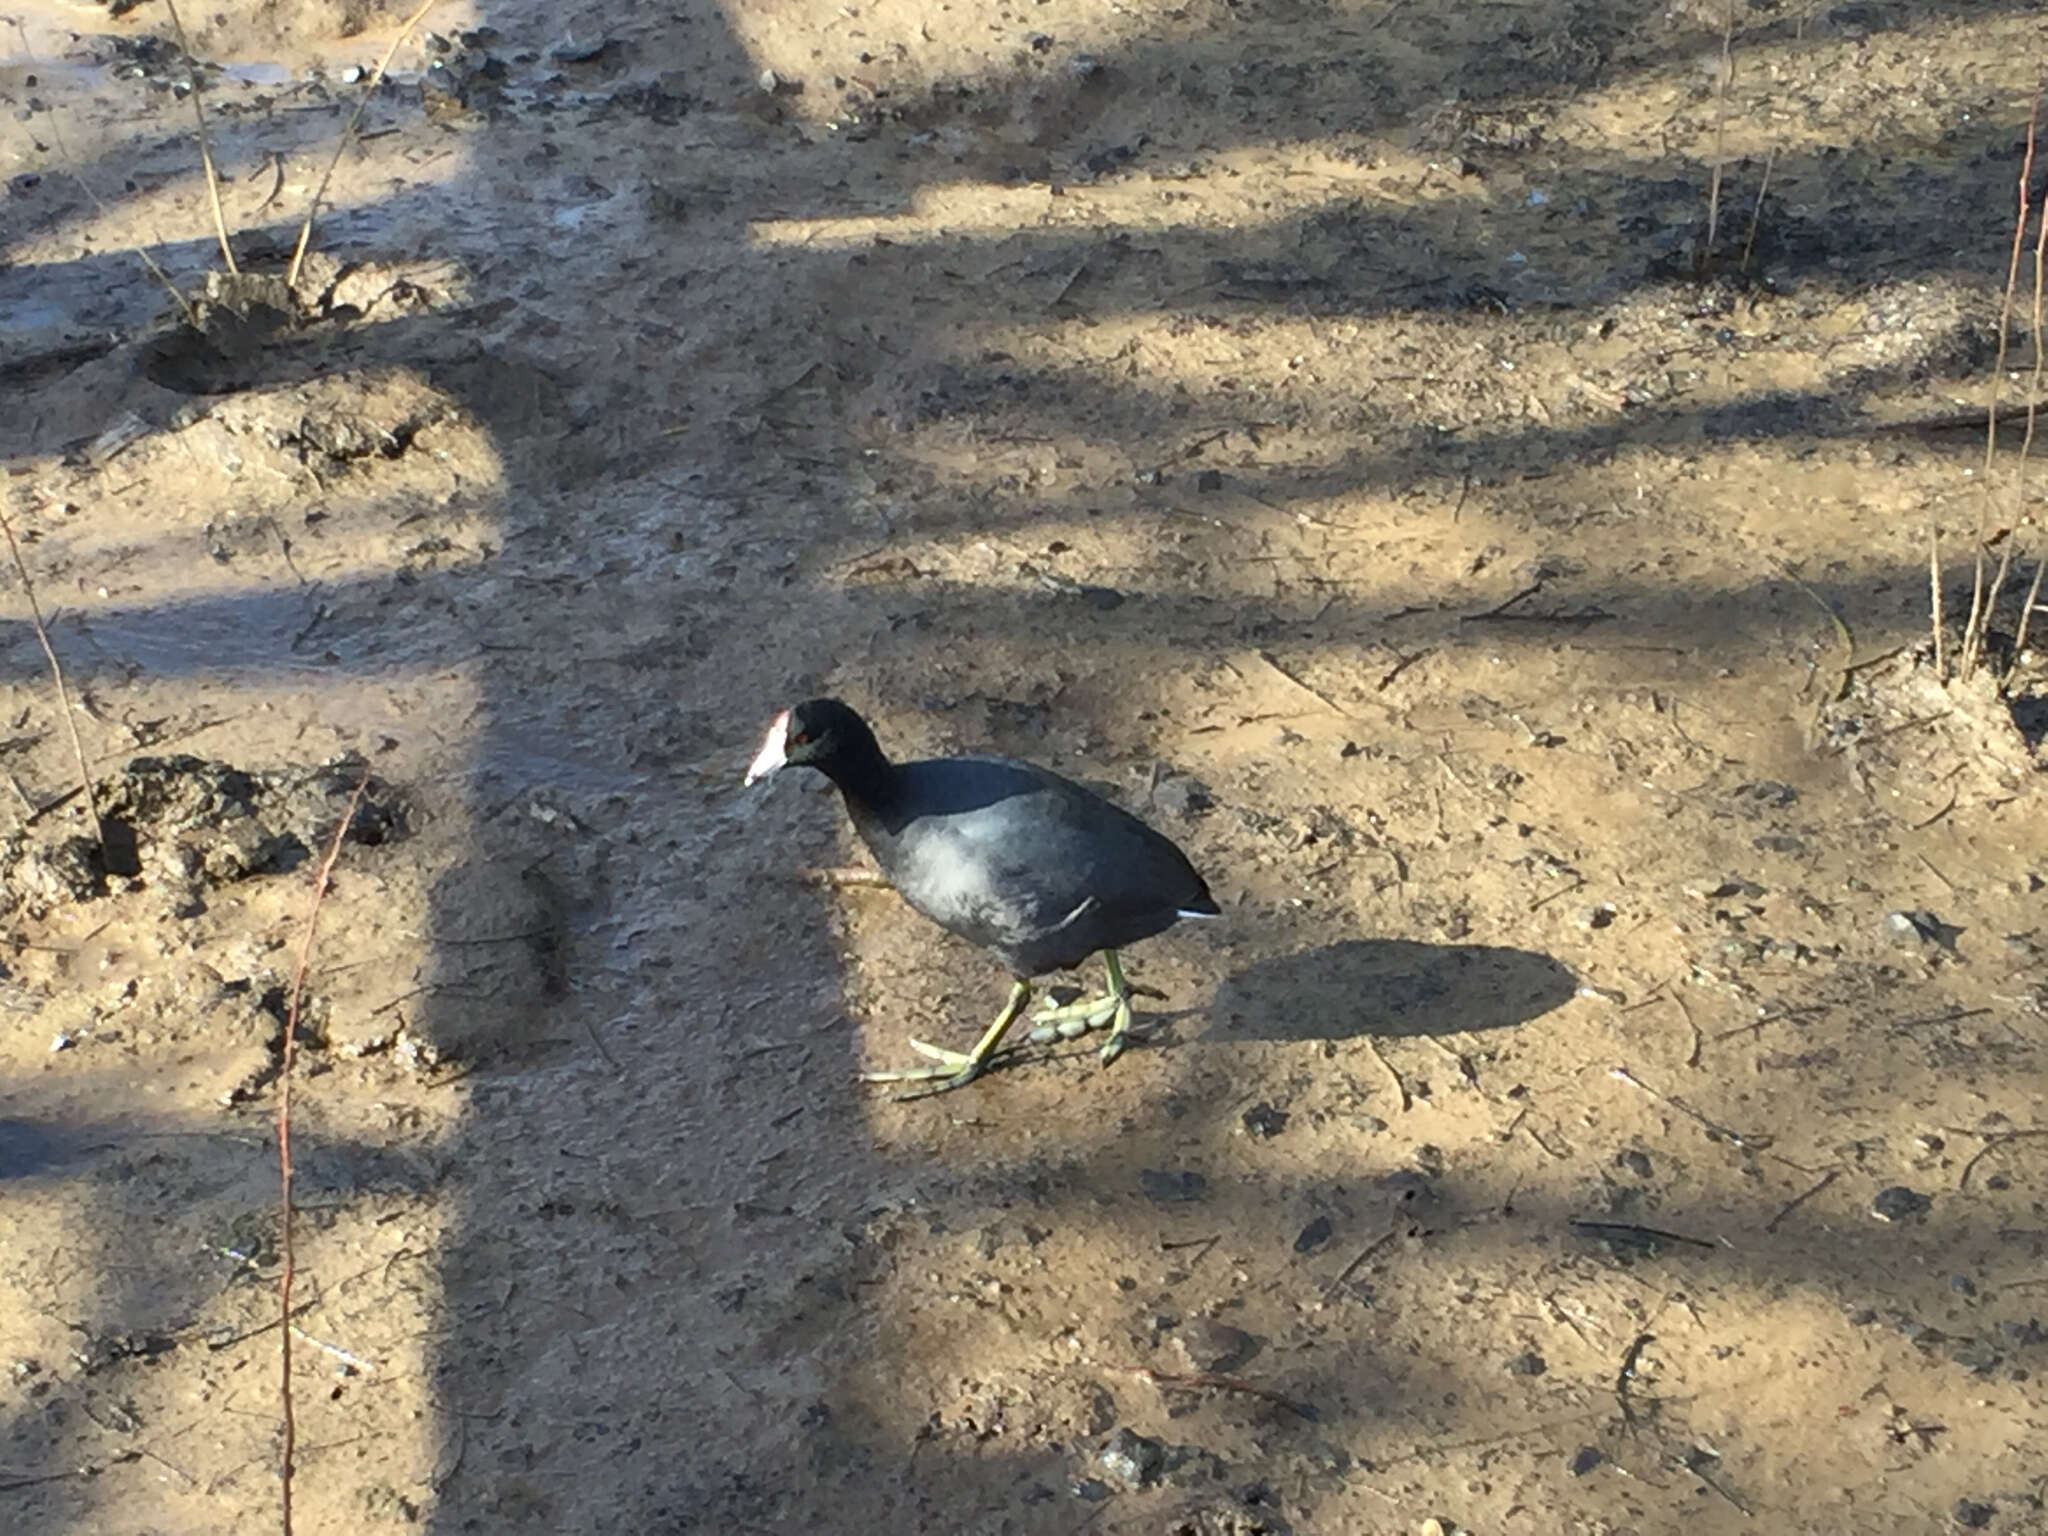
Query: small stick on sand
{"x": 35, "y": 613}
{"x": 220, "y": 223}
{"x": 291, "y": 276}
{"x": 284, "y": 1149}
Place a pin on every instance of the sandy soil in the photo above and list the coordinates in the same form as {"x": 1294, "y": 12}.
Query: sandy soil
{"x": 1331, "y": 429}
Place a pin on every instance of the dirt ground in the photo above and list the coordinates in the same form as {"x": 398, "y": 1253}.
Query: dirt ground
{"x": 1612, "y": 1101}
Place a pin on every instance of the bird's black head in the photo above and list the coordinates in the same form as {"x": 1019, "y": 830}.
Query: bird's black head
{"x": 823, "y": 733}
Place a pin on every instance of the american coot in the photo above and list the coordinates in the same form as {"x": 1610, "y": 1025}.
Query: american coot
{"x": 1016, "y": 859}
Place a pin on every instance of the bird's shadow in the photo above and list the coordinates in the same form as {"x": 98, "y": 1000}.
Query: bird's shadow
{"x": 1387, "y": 988}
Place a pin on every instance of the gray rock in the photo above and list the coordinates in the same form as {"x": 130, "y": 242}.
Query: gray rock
{"x": 1264, "y": 1121}
{"x": 1897, "y": 1203}
{"x": 1130, "y": 1459}
{"x": 1213, "y": 1346}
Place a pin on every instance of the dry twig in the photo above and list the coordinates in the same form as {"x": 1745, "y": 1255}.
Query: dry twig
{"x": 220, "y": 223}
{"x": 284, "y": 1147}
{"x": 35, "y": 613}
{"x": 1723, "y": 78}
{"x": 291, "y": 276}
{"x": 1983, "y": 598}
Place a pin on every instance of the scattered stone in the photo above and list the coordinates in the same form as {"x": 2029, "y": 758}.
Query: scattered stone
{"x": 1092, "y": 1489}
{"x": 1722, "y": 889}
{"x": 1980, "y": 1357}
{"x": 1915, "y": 1332}
{"x": 1182, "y": 795}
{"x": 1596, "y": 917}
{"x": 1635, "y": 1161}
{"x": 1264, "y": 1121}
{"x": 1314, "y": 1235}
{"x": 1586, "y": 1458}
{"x": 1919, "y": 929}
{"x": 1131, "y": 1459}
{"x": 1962, "y": 1285}
{"x": 1189, "y": 1466}
{"x": 2025, "y": 1334}
{"x": 1972, "y": 1514}
{"x": 1172, "y": 1188}
{"x": 1209, "y": 480}
{"x": 1213, "y": 1346}
{"x": 1779, "y": 842}
{"x": 1528, "y": 1363}
{"x": 1897, "y": 1203}
{"x": 1769, "y": 793}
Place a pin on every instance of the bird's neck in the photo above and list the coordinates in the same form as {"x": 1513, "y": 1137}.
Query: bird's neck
{"x": 866, "y": 778}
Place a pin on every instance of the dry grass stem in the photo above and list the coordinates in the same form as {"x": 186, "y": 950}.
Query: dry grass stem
{"x": 1724, "y": 79}
{"x": 1934, "y": 599}
{"x": 291, "y": 276}
{"x": 1982, "y": 598}
{"x": 2019, "y": 513}
{"x": 35, "y": 613}
{"x": 1756, "y": 212}
{"x": 286, "y": 1057}
{"x": 220, "y": 223}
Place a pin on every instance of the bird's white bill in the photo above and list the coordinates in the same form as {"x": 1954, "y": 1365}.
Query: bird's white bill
{"x": 774, "y": 750}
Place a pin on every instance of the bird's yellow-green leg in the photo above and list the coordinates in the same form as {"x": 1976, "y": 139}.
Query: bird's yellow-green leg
{"x": 1077, "y": 1018}
{"x": 951, "y": 1069}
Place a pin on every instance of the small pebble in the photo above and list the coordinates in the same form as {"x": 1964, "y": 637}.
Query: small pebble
{"x": 1264, "y": 1121}
{"x": 1586, "y": 1458}
{"x": 1898, "y": 1202}
{"x": 1528, "y": 1363}
{"x": 1919, "y": 929}
{"x": 1972, "y": 1514}
{"x": 1314, "y": 1235}
{"x": 1213, "y": 1346}
{"x": 1962, "y": 1285}
{"x": 1131, "y": 1459}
